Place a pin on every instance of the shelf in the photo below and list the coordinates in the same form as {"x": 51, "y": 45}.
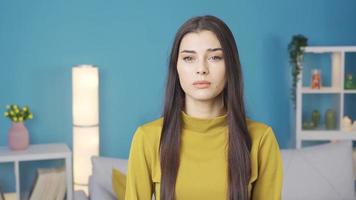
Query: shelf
{"x": 35, "y": 152}
{"x": 323, "y": 90}
{"x": 327, "y": 135}
{"x": 350, "y": 91}
{"x": 39, "y": 152}
{"x": 327, "y": 90}
{"x": 329, "y": 49}
{"x": 333, "y": 62}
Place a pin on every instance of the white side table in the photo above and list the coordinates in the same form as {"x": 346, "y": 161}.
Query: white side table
{"x": 40, "y": 152}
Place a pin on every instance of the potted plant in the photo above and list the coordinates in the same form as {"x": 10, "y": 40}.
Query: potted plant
{"x": 18, "y": 137}
{"x": 296, "y": 52}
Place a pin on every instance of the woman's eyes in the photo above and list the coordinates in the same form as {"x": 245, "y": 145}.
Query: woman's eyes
{"x": 215, "y": 58}
{"x": 188, "y": 59}
{"x": 212, "y": 58}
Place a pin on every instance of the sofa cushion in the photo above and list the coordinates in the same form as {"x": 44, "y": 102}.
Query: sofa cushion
{"x": 318, "y": 172}
{"x": 101, "y": 179}
{"x": 119, "y": 183}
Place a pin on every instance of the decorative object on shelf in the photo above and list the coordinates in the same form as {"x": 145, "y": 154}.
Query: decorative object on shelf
{"x": 308, "y": 125}
{"x": 85, "y": 90}
{"x": 18, "y": 137}
{"x": 316, "y": 79}
{"x": 350, "y": 83}
{"x": 346, "y": 123}
{"x": 354, "y": 126}
{"x": 316, "y": 118}
{"x": 55, "y": 177}
{"x": 314, "y": 122}
{"x": 330, "y": 119}
{"x": 296, "y": 51}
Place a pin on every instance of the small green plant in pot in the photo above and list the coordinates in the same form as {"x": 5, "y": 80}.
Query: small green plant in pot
{"x": 18, "y": 137}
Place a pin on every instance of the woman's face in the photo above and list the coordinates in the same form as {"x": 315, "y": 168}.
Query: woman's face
{"x": 201, "y": 66}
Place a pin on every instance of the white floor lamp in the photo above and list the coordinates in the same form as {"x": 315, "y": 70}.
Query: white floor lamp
{"x": 85, "y": 95}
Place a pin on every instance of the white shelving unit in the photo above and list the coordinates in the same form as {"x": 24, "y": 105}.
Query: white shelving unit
{"x": 36, "y": 153}
{"x": 337, "y": 54}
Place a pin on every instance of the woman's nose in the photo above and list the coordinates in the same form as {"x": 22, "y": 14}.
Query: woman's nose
{"x": 202, "y": 69}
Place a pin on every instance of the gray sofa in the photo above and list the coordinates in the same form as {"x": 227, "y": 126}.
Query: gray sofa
{"x": 322, "y": 172}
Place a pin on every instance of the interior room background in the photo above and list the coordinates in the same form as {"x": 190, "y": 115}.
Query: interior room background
{"x": 130, "y": 41}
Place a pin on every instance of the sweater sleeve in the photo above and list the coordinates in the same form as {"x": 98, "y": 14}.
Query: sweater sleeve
{"x": 270, "y": 170}
{"x": 138, "y": 181}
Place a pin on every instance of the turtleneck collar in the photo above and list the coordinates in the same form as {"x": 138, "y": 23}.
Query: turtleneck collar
{"x": 203, "y": 125}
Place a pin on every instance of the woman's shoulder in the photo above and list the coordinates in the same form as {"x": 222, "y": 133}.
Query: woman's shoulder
{"x": 150, "y": 131}
{"x": 259, "y": 130}
{"x": 152, "y": 126}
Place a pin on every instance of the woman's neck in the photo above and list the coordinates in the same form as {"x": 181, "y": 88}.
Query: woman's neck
{"x": 204, "y": 109}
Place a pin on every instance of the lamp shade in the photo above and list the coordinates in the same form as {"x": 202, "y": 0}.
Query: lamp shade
{"x": 86, "y": 144}
{"x": 85, "y": 93}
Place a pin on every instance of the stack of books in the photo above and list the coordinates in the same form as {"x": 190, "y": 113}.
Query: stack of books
{"x": 50, "y": 184}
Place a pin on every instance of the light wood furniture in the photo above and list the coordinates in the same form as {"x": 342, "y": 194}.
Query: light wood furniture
{"x": 39, "y": 152}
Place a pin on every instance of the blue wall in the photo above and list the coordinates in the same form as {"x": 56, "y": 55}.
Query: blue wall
{"x": 130, "y": 42}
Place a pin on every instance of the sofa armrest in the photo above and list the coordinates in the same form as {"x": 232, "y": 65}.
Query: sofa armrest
{"x": 80, "y": 195}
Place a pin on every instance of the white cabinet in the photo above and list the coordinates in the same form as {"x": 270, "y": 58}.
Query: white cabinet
{"x": 36, "y": 153}
{"x": 332, "y": 60}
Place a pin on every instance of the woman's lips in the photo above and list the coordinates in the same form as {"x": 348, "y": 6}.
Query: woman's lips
{"x": 201, "y": 84}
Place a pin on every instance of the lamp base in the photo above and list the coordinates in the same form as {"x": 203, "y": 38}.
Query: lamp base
{"x": 84, "y": 188}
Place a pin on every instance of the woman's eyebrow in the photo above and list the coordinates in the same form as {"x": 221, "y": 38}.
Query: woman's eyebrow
{"x": 188, "y": 51}
{"x": 215, "y": 49}
{"x": 210, "y": 49}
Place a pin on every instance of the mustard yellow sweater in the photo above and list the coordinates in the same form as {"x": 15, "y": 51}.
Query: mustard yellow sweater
{"x": 202, "y": 173}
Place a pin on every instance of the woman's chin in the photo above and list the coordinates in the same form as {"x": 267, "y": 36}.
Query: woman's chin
{"x": 203, "y": 96}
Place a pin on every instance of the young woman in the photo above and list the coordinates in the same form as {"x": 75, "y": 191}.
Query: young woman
{"x": 204, "y": 147}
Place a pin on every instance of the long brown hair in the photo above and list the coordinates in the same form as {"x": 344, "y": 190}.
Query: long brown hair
{"x": 239, "y": 142}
